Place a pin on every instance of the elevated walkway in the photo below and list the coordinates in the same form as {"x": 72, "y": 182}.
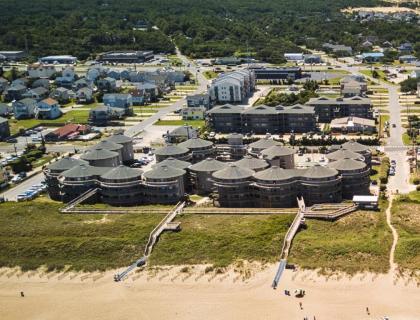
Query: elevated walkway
{"x": 166, "y": 224}
{"x": 83, "y": 197}
{"x": 329, "y": 211}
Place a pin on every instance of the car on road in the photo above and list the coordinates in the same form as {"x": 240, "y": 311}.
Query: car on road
{"x": 394, "y": 125}
{"x": 16, "y": 179}
{"x": 12, "y": 140}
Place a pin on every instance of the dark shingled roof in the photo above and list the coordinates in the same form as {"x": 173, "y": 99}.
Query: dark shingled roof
{"x": 277, "y": 151}
{"x": 208, "y": 165}
{"x": 84, "y": 170}
{"x": 65, "y": 163}
{"x": 119, "y": 138}
{"x": 172, "y": 162}
{"x": 196, "y": 143}
{"x": 347, "y": 165}
{"x": 98, "y": 154}
{"x": 342, "y": 154}
{"x": 233, "y": 172}
{"x": 252, "y": 163}
{"x": 318, "y": 171}
{"x": 107, "y": 145}
{"x": 354, "y": 146}
{"x": 264, "y": 143}
{"x": 122, "y": 173}
{"x": 171, "y": 150}
{"x": 164, "y": 172}
{"x": 274, "y": 174}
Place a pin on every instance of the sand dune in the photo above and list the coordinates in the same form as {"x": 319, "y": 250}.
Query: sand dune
{"x": 178, "y": 293}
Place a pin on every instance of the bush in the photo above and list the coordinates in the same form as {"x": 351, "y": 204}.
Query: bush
{"x": 416, "y": 181}
{"x": 418, "y": 188}
{"x": 382, "y": 187}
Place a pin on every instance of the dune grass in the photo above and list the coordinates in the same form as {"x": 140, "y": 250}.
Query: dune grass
{"x": 33, "y": 234}
{"x": 222, "y": 239}
{"x": 358, "y": 242}
{"x": 406, "y": 218}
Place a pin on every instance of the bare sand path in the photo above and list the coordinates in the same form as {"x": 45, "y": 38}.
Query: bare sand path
{"x": 393, "y": 266}
{"x": 171, "y": 294}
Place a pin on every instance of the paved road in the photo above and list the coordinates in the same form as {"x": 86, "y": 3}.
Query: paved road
{"x": 11, "y": 194}
{"x": 202, "y": 86}
{"x": 394, "y": 144}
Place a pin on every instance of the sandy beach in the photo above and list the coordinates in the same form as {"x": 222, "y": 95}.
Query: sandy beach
{"x": 172, "y": 293}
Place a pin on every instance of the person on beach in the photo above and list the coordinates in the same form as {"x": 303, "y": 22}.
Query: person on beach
{"x": 22, "y": 294}
{"x": 300, "y": 305}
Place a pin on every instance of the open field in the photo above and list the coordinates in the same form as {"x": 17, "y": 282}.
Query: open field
{"x": 406, "y": 218}
{"x": 223, "y": 239}
{"x": 35, "y": 233}
{"x": 358, "y": 242}
{"x": 75, "y": 116}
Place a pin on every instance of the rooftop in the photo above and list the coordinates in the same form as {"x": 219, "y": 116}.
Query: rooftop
{"x": 274, "y": 174}
{"x": 208, "y": 165}
{"x": 122, "y": 173}
{"x": 233, "y": 172}
{"x": 174, "y": 163}
{"x": 171, "y": 150}
{"x": 196, "y": 143}
{"x": 98, "y": 154}
{"x": 252, "y": 163}
{"x": 277, "y": 151}
{"x": 164, "y": 172}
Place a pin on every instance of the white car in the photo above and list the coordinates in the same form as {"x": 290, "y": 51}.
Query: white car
{"x": 16, "y": 179}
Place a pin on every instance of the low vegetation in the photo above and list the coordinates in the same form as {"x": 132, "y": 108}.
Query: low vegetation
{"x": 358, "y": 242}
{"x": 406, "y": 218}
{"x": 33, "y": 234}
{"x": 194, "y": 123}
{"x": 223, "y": 239}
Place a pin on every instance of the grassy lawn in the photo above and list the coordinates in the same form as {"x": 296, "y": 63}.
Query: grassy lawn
{"x": 407, "y": 140}
{"x": 210, "y": 74}
{"x": 406, "y": 218}
{"x": 75, "y": 116}
{"x": 40, "y": 162}
{"x": 35, "y": 233}
{"x": 194, "y": 123}
{"x": 222, "y": 239}
{"x": 358, "y": 242}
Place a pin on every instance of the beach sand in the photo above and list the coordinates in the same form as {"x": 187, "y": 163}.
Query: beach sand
{"x": 170, "y": 293}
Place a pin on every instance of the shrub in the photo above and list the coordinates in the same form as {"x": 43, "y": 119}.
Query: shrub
{"x": 416, "y": 181}
{"x": 418, "y": 188}
{"x": 382, "y": 187}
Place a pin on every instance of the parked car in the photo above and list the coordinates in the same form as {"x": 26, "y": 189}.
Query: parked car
{"x": 16, "y": 179}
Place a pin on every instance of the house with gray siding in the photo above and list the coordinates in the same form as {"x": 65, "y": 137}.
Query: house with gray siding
{"x": 24, "y": 109}
{"x": 119, "y": 100}
{"x": 4, "y": 128}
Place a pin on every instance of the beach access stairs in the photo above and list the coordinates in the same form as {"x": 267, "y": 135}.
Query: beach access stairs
{"x": 69, "y": 207}
{"x": 166, "y": 224}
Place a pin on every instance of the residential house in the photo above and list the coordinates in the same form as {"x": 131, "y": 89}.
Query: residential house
{"x": 353, "y": 125}
{"x": 114, "y": 74}
{"x": 48, "y": 109}
{"x": 4, "y": 128}
{"x": 107, "y": 84}
{"x": 20, "y": 81}
{"x": 407, "y": 59}
{"x": 24, "y": 109}
{"x": 119, "y": 100}
{"x": 101, "y": 115}
{"x": 37, "y": 70}
{"x": 312, "y": 59}
{"x": 369, "y": 57}
{"x": 193, "y": 113}
{"x": 367, "y": 44}
{"x": 67, "y": 78}
{"x": 406, "y": 48}
{"x": 353, "y": 85}
{"x": 150, "y": 91}
{"x": 67, "y": 132}
{"x": 84, "y": 95}
{"x": 38, "y": 93}
{"x": 199, "y": 100}
{"x": 45, "y": 83}
{"x": 137, "y": 96}
{"x": 328, "y": 109}
{"x": 81, "y": 83}
{"x": 62, "y": 95}
{"x": 3, "y": 84}
{"x": 415, "y": 74}
{"x": 14, "y": 92}
{"x": 181, "y": 134}
{"x": 5, "y": 110}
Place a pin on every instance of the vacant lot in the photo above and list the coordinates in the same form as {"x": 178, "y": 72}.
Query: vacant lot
{"x": 222, "y": 239}
{"x": 406, "y": 218}
{"x": 35, "y": 233}
{"x": 358, "y": 242}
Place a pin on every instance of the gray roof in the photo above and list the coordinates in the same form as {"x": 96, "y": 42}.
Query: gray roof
{"x": 171, "y": 150}
{"x": 84, "y": 170}
{"x": 183, "y": 131}
{"x": 252, "y": 163}
{"x": 354, "y": 146}
{"x": 164, "y": 172}
{"x": 196, "y": 143}
{"x": 174, "y": 163}
{"x": 119, "y": 138}
{"x": 27, "y": 101}
{"x": 2, "y": 120}
{"x": 107, "y": 145}
{"x": 122, "y": 173}
{"x": 347, "y": 164}
{"x": 339, "y": 101}
{"x": 98, "y": 154}
{"x": 233, "y": 172}
{"x": 227, "y": 108}
{"x": 65, "y": 163}
{"x": 208, "y": 165}
{"x": 274, "y": 174}
{"x": 342, "y": 154}
{"x": 318, "y": 171}
{"x": 277, "y": 151}
{"x": 261, "y": 109}
{"x": 264, "y": 143}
